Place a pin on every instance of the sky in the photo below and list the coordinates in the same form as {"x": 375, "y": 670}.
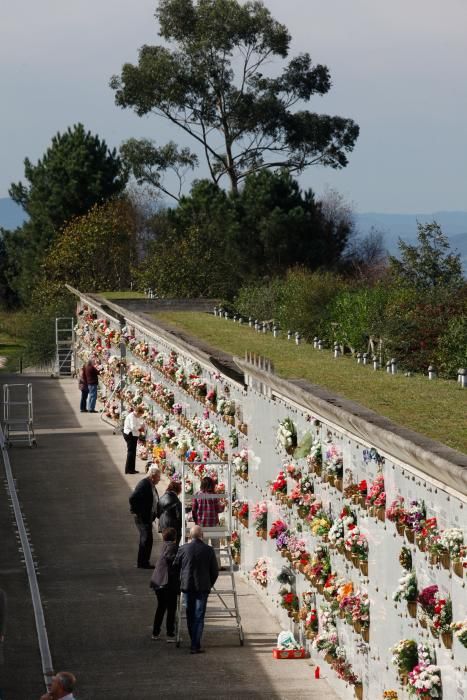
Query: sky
{"x": 398, "y": 69}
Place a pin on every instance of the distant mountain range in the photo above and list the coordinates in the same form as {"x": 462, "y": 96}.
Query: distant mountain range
{"x": 392, "y": 226}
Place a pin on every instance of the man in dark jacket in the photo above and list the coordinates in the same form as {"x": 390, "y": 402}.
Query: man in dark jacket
{"x": 198, "y": 574}
{"x": 91, "y": 376}
{"x": 143, "y": 505}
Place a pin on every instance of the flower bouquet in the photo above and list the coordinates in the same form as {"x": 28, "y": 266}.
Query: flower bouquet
{"x": 259, "y": 573}
{"x": 460, "y": 630}
{"x": 235, "y": 547}
{"x": 315, "y": 458}
{"x": 278, "y": 487}
{"x": 240, "y": 462}
{"x": 451, "y": 540}
{"x": 357, "y": 544}
{"x": 405, "y": 658}
{"x": 376, "y": 498}
{"x": 311, "y": 623}
{"x": 287, "y": 436}
{"x": 289, "y": 601}
{"x": 260, "y": 519}
{"x": 293, "y": 472}
{"x": 277, "y": 528}
{"x": 240, "y": 510}
{"x": 321, "y": 524}
{"x": 408, "y": 590}
{"x": 396, "y": 513}
{"x": 405, "y": 558}
{"x": 414, "y": 519}
{"x": 424, "y": 680}
{"x": 334, "y": 465}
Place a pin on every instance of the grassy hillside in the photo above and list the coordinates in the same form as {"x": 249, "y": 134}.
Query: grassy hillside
{"x": 437, "y": 409}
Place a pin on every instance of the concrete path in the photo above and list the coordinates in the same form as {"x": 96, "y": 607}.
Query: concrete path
{"x": 98, "y": 606}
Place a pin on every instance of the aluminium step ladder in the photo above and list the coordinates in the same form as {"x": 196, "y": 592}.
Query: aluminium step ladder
{"x": 18, "y": 414}
{"x": 222, "y": 611}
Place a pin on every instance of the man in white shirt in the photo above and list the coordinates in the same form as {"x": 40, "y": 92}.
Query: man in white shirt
{"x": 131, "y": 432}
{"x": 62, "y": 687}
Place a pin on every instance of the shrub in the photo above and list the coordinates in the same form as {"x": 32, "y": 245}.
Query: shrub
{"x": 452, "y": 347}
{"x": 259, "y": 300}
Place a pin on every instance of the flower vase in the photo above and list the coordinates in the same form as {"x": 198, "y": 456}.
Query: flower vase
{"x": 358, "y": 690}
{"x": 400, "y": 527}
{"x": 365, "y": 634}
{"x": 329, "y": 658}
{"x": 355, "y": 559}
{"x": 412, "y": 608}
{"x": 445, "y": 560}
{"x": 458, "y": 568}
{"x": 446, "y": 638}
{"x": 421, "y": 543}
{"x": 433, "y": 559}
{"x": 331, "y": 479}
{"x": 262, "y": 534}
{"x": 348, "y": 554}
{"x": 364, "y": 566}
{"x": 339, "y": 484}
{"x": 380, "y": 514}
{"x": 244, "y": 521}
{"x": 362, "y": 501}
{"x": 290, "y": 450}
{"x": 372, "y": 511}
{"x": 236, "y": 559}
{"x": 357, "y": 625}
{"x": 404, "y": 677}
{"x": 355, "y": 499}
{"x": 410, "y": 534}
{"x": 423, "y": 622}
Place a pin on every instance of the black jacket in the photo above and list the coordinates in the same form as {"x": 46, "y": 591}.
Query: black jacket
{"x": 142, "y": 499}
{"x": 165, "y": 575}
{"x": 169, "y": 511}
{"x": 198, "y": 566}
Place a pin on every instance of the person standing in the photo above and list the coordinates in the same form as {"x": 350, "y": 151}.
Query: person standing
{"x": 3, "y": 615}
{"x": 62, "y": 687}
{"x": 83, "y": 387}
{"x": 166, "y": 584}
{"x": 206, "y": 504}
{"x": 92, "y": 380}
{"x": 198, "y": 573}
{"x": 169, "y": 510}
{"x": 131, "y": 432}
{"x": 143, "y": 504}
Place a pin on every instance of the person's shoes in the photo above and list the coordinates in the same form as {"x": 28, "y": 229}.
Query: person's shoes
{"x": 146, "y": 566}
{"x": 135, "y": 472}
{"x": 93, "y": 411}
{"x": 200, "y": 651}
{"x": 155, "y": 637}
{"x": 170, "y": 639}
{"x": 85, "y": 410}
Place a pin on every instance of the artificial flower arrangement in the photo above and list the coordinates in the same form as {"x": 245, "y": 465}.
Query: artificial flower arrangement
{"x": 277, "y": 528}
{"x": 360, "y": 496}
{"x": 293, "y": 472}
{"x": 344, "y": 670}
{"x": 235, "y": 546}
{"x": 396, "y": 513}
{"x": 336, "y": 536}
{"x": 240, "y": 510}
{"x": 407, "y": 590}
{"x": 240, "y": 462}
{"x": 287, "y": 435}
{"x": 424, "y": 680}
{"x": 414, "y": 519}
{"x": 334, "y": 465}
{"x": 376, "y": 498}
{"x": 278, "y": 487}
{"x": 290, "y": 602}
{"x": 320, "y": 524}
{"x": 451, "y": 541}
{"x": 390, "y": 695}
{"x": 437, "y": 612}
{"x": 318, "y": 568}
{"x": 356, "y": 544}
{"x": 259, "y": 573}
{"x": 309, "y": 615}
{"x": 315, "y": 458}
{"x": 427, "y": 533}
{"x": 405, "y": 558}
{"x": 405, "y": 657}
{"x": 460, "y": 631}
{"x": 233, "y": 437}
{"x": 260, "y": 518}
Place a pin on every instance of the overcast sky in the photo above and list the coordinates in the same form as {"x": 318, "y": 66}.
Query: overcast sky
{"x": 399, "y": 69}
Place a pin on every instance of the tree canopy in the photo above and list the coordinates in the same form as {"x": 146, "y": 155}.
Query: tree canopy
{"x": 214, "y": 84}
{"x": 76, "y": 172}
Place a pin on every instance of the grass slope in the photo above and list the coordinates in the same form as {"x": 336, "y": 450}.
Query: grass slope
{"x": 123, "y": 295}
{"x": 437, "y": 409}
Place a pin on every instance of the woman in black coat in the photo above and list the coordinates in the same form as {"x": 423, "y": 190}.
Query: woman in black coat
{"x": 169, "y": 509}
{"x": 165, "y": 582}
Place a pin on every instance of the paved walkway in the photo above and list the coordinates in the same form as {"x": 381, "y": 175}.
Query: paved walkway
{"x": 98, "y": 606}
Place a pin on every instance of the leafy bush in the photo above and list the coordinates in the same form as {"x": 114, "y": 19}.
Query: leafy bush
{"x": 358, "y": 317}
{"x": 305, "y": 302}
{"x": 452, "y": 347}
{"x": 259, "y": 300}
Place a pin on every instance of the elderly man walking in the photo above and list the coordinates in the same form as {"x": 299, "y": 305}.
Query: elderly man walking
{"x": 198, "y": 574}
{"x": 143, "y": 504}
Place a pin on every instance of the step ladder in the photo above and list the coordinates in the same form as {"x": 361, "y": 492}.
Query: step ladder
{"x": 18, "y": 414}
{"x": 64, "y": 347}
{"x": 222, "y": 611}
